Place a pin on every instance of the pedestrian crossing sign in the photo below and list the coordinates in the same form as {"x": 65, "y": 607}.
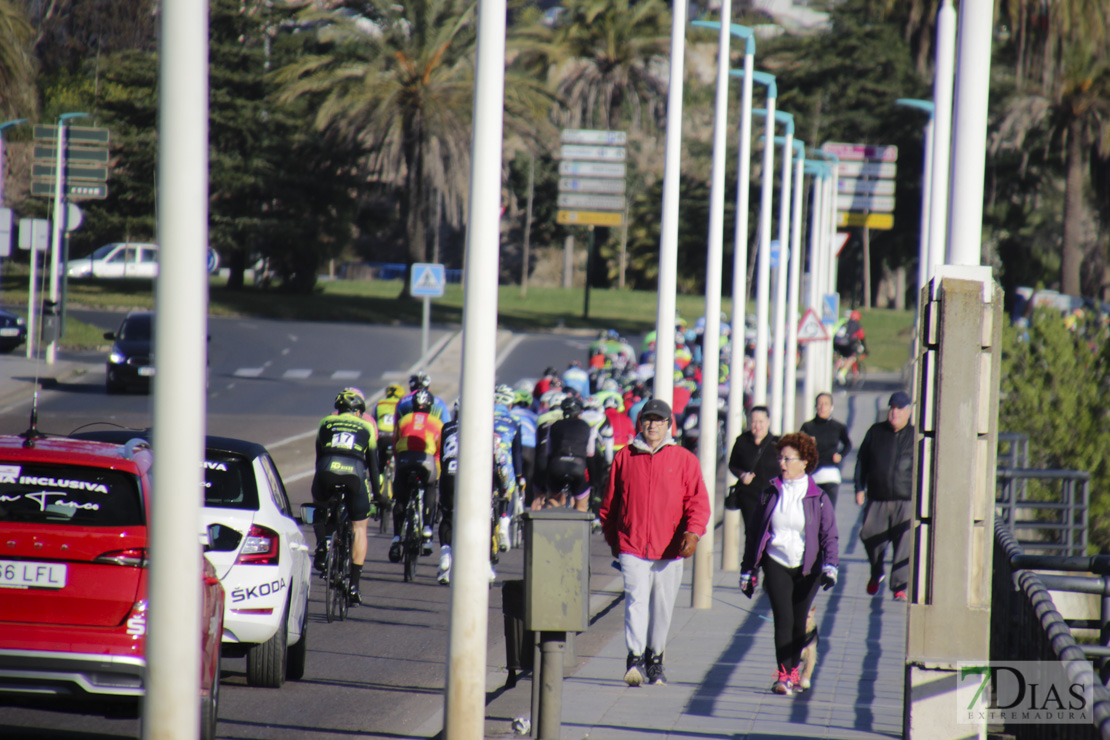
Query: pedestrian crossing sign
{"x": 811, "y": 329}
{"x": 428, "y": 280}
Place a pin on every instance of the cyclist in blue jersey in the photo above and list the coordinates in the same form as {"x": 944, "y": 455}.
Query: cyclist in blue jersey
{"x": 526, "y": 417}
{"x": 507, "y": 430}
{"x": 421, "y": 381}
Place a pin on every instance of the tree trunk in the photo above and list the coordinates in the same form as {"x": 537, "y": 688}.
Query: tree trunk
{"x": 235, "y": 269}
{"x": 413, "y": 204}
{"x": 1074, "y": 211}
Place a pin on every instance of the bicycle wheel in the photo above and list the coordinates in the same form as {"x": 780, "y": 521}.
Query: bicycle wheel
{"x": 385, "y": 506}
{"x": 411, "y": 537}
{"x": 859, "y": 373}
{"x": 331, "y": 593}
{"x": 344, "y": 596}
{"x": 516, "y": 522}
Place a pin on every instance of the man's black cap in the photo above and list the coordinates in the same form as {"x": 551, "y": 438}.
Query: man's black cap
{"x": 656, "y": 407}
{"x": 900, "y": 400}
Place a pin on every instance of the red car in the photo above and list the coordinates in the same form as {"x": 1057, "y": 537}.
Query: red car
{"x": 73, "y": 578}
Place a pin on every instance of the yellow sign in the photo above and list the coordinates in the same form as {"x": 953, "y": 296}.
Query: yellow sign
{"x": 883, "y": 221}
{"x": 589, "y": 218}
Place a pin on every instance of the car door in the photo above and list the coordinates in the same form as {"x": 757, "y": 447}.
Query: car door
{"x": 146, "y": 265}
{"x": 114, "y": 265}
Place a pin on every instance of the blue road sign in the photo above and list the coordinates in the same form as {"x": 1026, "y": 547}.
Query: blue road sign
{"x": 428, "y": 280}
{"x": 213, "y": 261}
{"x": 830, "y": 308}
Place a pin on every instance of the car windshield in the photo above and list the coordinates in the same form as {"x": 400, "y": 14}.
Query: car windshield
{"x": 69, "y": 494}
{"x": 102, "y": 252}
{"x": 136, "y": 328}
{"x": 229, "y": 481}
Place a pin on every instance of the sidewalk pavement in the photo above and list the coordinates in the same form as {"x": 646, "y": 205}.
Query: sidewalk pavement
{"x": 720, "y": 661}
{"x": 20, "y": 375}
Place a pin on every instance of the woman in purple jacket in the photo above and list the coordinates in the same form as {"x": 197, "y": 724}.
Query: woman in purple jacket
{"x": 796, "y": 542}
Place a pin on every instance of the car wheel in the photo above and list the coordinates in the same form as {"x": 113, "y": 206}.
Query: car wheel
{"x": 210, "y": 708}
{"x": 266, "y": 662}
{"x": 298, "y": 653}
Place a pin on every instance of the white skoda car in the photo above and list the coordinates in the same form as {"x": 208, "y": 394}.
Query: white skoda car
{"x": 260, "y": 554}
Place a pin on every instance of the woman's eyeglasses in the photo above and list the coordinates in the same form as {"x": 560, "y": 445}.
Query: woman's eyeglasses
{"x": 788, "y": 459}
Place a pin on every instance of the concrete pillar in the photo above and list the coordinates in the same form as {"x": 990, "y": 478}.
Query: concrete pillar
{"x": 956, "y": 389}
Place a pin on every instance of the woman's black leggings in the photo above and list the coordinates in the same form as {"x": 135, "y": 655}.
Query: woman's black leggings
{"x": 791, "y": 595}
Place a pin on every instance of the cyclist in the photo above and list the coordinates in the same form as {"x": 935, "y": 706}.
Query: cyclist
{"x": 577, "y": 378}
{"x": 548, "y": 414}
{"x": 507, "y": 432}
{"x": 568, "y": 443}
{"x": 421, "y": 381}
{"x": 601, "y": 451}
{"x": 383, "y": 414}
{"x": 416, "y": 449}
{"x": 848, "y": 341}
{"x": 522, "y": 412}
{"x": 346, "y": 454}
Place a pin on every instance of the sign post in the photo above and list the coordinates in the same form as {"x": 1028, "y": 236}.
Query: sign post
{"x": 427, "y": 282}
{"x": 591, "y": 187}
{"x": 865, "y": 193}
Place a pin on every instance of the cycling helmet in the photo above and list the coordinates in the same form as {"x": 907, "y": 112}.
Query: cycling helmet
{"x": 611, "y": 402}
{"x": 610, "y": 384}
{"x": 350, "y": 399}
{"x": 855, "y": 316}
{"x": 549, "y": 371}
{"x": 555, "y": 398}
{"x": 522, "y": 398}
{"x": 419, "y": 380}
{"x": 503, "y": 395}
{"x": 574, "y": 363}
{"x": 556, "y": 383}
{"x": 593, "y": 402}
{"x": 422, "y": 401}
{"x": 394, "y": 390}
{"x": 571, "y": 407}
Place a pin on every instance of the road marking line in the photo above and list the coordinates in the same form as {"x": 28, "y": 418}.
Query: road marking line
{"x": 248, "y": 372}
{"x": 297, "y": 374}
{"x": 504, "y": 355}
{"x": 346, "y": 375}
{"x": 285, "y": 351}
{"x": 394, "y": 375}
{"x": 298, "y": 476}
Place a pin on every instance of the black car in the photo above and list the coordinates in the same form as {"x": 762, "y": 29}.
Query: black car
{"x": 13, "y": 331}
{"x": 131, "y": 361}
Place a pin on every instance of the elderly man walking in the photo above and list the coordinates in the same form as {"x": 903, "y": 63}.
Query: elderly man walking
{"x": 884, "y": 479}
{"x": 654, "y": 512}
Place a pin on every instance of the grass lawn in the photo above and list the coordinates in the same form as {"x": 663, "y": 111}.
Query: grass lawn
{"x": 888, "y": 332}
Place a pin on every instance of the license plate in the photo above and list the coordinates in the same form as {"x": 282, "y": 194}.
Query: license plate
{"x": 23, "y": 574}
{"x": 146, "y": 372}
{"x": 9, "y": 332}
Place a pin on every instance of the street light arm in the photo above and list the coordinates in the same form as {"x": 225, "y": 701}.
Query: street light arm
{"x": 798, "y": 146}
{"x": 763, "y": 78}
{"x": 825, "y": 155}
{"x": 735, "y": 29}
{"x": 926, "y": 106}
{"x": 818, "y": 169}
{"x": 786, "y": 119}
{"x": 8, "y": 124}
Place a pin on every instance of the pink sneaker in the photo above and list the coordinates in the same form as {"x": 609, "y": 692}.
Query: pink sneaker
{"x": 782, "y": 683}
{"x": 873, "y": 585}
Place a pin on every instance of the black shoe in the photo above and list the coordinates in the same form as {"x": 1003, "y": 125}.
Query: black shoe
{"x": 395, "y": 550}
{"x": 654, "y": 668}
{"x": 354, "y": 598}
{"x": 320, "y": 559}
{"x": 634, "y": 676}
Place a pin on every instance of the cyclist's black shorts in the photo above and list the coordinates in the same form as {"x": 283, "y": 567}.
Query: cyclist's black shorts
{"x": 385, "y": 449}
{"x": 348, "y": 472}
{"x": 573, "y": 469}
{"x": 422, "y": 464}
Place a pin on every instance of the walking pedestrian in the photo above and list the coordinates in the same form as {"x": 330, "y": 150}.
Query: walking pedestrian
{"x": 884, "y": 480}
{"x": 753, "y": 462}
{"x": 833, "y": 443}
{"x": 797, "y": 544}
{"x": 655, "y": 510}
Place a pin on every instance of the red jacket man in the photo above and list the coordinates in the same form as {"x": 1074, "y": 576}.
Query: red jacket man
{"x": 654, "y": 512}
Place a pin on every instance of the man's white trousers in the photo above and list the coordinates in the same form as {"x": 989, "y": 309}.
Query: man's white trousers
{"x": 650, "y": 590}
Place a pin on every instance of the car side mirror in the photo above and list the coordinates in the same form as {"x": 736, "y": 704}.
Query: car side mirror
{"x": 110, "y": 335}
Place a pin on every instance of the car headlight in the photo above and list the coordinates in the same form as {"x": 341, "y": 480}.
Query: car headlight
{"x": 20, "y": 321}
{"x": 116, "y": 357}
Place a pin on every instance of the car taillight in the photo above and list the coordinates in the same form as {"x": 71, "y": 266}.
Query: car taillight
{"x": 260, "y": 547}
{"x": 135, "y": 557}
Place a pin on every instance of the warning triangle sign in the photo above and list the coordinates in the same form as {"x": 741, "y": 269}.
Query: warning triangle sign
{"x": 810, "y": 329}
{"x": 427, "y": 281}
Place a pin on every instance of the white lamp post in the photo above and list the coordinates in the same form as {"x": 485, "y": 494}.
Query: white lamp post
{"x": 818, "y": 264}
{"x": 790, "y": 377}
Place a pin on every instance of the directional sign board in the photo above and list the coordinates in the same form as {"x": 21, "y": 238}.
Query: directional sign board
{"x": 74, "y": 155}
{"x": 428, "y": 280}
{"x": 861, "y": 152}
{"x": 571, "y": 168}
{"x": 97, "y": 191}
{"x": 611, "y": 186}
{"x": 73, "y": 172}
{"x": 589, "y": 218}
{"x": 588, "y": 200}
{"x": 591, "y": 136}
{"x": 865, "y": 202}
{"x": 881, "y": 221}
{"x": 74, "y": 134}
{"x": 849, "y": 185}
{"x": 880, "y": 170}
{"x": 810, "y": 328}
{"x": 593, "y": 153}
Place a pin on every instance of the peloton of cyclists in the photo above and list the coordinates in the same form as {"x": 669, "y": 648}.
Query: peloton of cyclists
{"x": 346, "y": 454}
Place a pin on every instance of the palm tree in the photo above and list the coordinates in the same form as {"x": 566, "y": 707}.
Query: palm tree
{"x": 17, "y": 63}
{"x": 604, "y": 57}
{"x": 398, "y": 86}
{"x": 1063, "y": 60}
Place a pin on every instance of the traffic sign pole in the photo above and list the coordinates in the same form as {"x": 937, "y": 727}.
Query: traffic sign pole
{"x": 56, "y": 236}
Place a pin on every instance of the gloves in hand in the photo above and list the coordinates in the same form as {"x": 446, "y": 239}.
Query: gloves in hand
{"x": 828, "y": 576}
{"x": 748, "y": 583}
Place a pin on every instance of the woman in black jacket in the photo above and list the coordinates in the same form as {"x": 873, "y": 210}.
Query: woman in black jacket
{"x": 754, "y": 461}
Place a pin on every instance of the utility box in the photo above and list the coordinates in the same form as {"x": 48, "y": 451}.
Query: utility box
{"x": 49, "y": 327}
{"x": 557, "y": 570}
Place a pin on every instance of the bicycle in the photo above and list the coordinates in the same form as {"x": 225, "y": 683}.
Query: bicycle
{"x": 516, "y": 517}
{"x": 385, "y": 500}
{"x": 852, "y": 371}
{"x": 412, "y": 537}
{"x": 337, "y": 566}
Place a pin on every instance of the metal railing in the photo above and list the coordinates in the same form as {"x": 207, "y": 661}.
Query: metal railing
{"x": 1061, "y": 523}
{"x": 1026, "y": 626}
{"x": 1013, "y": 450}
